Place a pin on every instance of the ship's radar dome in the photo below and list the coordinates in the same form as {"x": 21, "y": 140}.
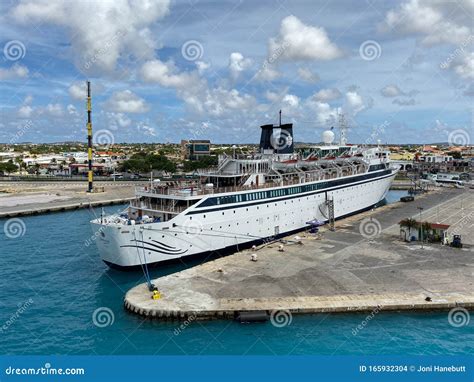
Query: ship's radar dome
{"x": 328, "y": 137}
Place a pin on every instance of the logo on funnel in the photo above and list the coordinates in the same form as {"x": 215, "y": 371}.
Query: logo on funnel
{"x": 281, "y": 140}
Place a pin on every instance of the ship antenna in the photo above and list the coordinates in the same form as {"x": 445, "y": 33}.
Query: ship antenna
{"x": 280, "y": 117}
{"x": 343, "y": 129}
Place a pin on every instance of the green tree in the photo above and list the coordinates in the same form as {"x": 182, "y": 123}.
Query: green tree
{"x": 8, "y": 167}
{"x": 203, "y": 162}
{"x": 410, "y": 224}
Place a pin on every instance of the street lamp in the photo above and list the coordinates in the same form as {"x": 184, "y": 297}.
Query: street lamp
{"x": 421, "y": 226}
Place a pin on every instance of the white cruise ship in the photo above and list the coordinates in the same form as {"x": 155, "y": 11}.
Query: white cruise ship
{"x": 245, "y": 200}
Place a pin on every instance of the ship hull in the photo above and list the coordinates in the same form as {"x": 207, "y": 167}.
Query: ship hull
{"x": 220, "y": 229}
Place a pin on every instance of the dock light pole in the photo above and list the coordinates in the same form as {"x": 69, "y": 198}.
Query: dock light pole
{"x": 421, "y": 226}
{"x": 89, "y": 138}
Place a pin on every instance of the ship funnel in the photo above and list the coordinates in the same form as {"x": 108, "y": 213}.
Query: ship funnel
{"x": 276, "y": 139}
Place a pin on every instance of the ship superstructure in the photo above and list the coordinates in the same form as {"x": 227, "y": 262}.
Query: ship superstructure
{"x": 246, "y": 199}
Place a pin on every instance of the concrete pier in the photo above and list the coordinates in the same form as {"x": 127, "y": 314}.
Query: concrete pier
{"x": 341, "y": 271}
{"x": 31, "y": 198}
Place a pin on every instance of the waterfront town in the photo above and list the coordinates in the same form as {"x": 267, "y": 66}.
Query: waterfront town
{"x": 134, "y": 161}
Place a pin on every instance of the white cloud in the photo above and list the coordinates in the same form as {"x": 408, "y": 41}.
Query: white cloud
{"x": 15, "y": 71}
{"x": 404, "y": 102}
{"x": 237, "y": 64}
{"x": 291, "y": 100}
{"x": 308, "y": 76}
{"x": 78, "y": 91}
{"x": 464, "y": 67}
{"x": 326, "y": 116}
{"x": 469, "y": 90}
{"x": 202, "y": 66}
{"x": 54, "y": 110}
{"x": 273, "y": 96}
{"x": 167, "y": 75}
{"x": 435, "y": 21}
{"x": 25, "y": 111}
{"x": 354, "y": 102}
{"x": 267, "y": 73}
{"x": 71, "y": 109}
{"x": 325, "y": 95}
{"x": 194, "y": 91}
{"x": 114, "y": 28}
{"x": 220, "y": 101}
{"x": 298, "y": 41}
{"x": 118, "y": 120}
{"x": 146, "y": 129}
{"x": 28, "y": 100}
{"x": 390, "y": 91}
{"x": 126, "y": 102}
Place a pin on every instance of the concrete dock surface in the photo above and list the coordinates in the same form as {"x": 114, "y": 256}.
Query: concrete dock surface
{"x": 361, "y": 266}
{"x": 27, "y": 198}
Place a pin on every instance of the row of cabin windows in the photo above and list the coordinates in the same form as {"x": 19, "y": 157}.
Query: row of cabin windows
{"x": 299, "y": 199}
{"x": 376, "y": 167}
{"x": 288, "y": 191}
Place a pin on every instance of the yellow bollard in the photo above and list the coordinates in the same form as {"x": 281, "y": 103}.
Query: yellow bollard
{"x": 156, "y": 295}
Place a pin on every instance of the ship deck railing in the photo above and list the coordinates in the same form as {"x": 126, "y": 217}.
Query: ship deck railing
{"x": 196, "y": 191}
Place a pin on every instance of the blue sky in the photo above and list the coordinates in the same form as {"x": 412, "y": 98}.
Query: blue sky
{"x": 162, "y": 71}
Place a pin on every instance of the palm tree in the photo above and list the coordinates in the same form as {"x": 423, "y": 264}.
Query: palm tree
{"x": 426, "y": 229}
{"x": 19, "y": 161}
{"x": 409, "y": 223}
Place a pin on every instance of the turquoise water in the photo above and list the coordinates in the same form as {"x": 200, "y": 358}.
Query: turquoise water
{"x": 395, "y": 195}
{"x": 52, "y": 281}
